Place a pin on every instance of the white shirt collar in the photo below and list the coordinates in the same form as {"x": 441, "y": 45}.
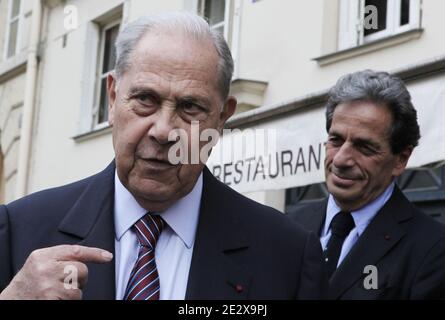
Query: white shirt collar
{"x": 363, "y": 216}
{"x": 182, "y": 216}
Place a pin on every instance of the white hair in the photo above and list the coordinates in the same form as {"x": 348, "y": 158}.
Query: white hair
{"x": 192, "y": 24}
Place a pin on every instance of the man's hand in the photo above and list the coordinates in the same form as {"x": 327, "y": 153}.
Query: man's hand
{"x": 43, "y": 274}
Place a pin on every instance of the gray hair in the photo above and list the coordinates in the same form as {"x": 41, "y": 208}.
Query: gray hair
{"x": 192, "y": 24}
{"x": 383, "y": 89}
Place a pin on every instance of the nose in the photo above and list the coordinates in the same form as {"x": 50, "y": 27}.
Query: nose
{"x": 344, "y": 157}
{"x": 162, "y": 126}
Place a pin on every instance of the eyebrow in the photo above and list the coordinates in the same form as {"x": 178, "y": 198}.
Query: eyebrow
{"x": 143, "y": 90}
{"x": 196, "y": 99}
{"x": 358, "y": 141}
{"x": 361, "y": 142}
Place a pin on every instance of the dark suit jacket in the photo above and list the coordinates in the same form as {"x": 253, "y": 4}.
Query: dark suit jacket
{"x": 238, "y": 241}
{"x": 406, "y": 246}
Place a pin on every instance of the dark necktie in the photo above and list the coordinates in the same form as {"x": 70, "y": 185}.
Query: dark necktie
{"x": 341, "y": 226}
{"x": 144, "y": 278}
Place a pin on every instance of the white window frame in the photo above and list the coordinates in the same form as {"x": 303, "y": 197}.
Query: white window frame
{"x": 225, "y": 23}
{"x": 232, "y": 24}
{"x": 99, "y": 75}
{"x": 9, "y": 21}
{"x": 351, "y": 22}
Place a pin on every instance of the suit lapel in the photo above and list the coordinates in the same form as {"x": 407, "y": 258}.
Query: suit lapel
{"x": 220, "y": 233}
{"x": 380, "y": 236}
{"x": 91, "y": 221}
{"x": 315, "y": 220}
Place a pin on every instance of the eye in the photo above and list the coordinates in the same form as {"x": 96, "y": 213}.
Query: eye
{"x": 145, "y": 99}
{"x": 144, "y": 104}
{"x": 192, "y": 108}
{"x": 334, "y": 141}
{"x": 367, "y": 150}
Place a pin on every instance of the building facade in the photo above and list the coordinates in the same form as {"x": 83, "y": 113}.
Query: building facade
{"x": 55, "y": 56}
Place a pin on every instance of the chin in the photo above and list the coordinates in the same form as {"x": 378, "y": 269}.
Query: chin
{"x": 340, "y": 193}
{"x": 151, "y": 190}
{"x": 157, "y": 197}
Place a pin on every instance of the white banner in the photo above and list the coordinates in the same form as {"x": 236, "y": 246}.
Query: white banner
{"x": 279, "y": 154}
{"x": 429, "y": 100}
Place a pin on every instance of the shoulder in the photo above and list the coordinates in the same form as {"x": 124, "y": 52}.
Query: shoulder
{"x": 421, "y": 231}
{"x": 258, "y": 219}
{"x": 426, "y": 228}
{"x": 48, "y": 203}
{"x": 419, "y": 225}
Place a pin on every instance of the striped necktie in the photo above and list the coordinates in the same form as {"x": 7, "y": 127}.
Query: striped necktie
{"x": 144, "y": 278}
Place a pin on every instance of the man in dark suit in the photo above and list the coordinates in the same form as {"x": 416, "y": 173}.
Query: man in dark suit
{"x": 174, "y": 231}
{"x": 377, "y": 245}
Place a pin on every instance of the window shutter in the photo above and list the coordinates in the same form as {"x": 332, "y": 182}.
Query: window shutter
{"x": 88, "y": 83}
{"x": 349, "y": 23}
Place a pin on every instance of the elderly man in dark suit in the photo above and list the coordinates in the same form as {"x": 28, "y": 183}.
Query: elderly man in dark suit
{"x": 174, "y": 231}
{"x": 377, "y": 245}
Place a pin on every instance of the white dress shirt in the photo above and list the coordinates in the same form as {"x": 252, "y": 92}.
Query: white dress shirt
{"x": 362, "y": 218}
{"x": 173, "y": 252}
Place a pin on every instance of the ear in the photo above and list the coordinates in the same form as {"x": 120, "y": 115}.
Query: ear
{"x": 227, "y": 112}
{"x": 401, "y": 161}
{"x": 111, "y": 91}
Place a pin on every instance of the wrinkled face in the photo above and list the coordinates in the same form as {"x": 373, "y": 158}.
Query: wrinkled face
{"x": 359, "y": 163}
{"x": 171, "y": 82}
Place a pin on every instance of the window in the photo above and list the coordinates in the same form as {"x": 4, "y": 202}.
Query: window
{"x": 425, "y": 187}
{"x": 423, "y": 179}
{"x": 364, "y": 21}
{"x": 100, "y": 34}
{"x": 225, "y": 17}
{"x": 216, "y": 13}
{"x": 107, "y": 60}
{"x": 13, "y": 28}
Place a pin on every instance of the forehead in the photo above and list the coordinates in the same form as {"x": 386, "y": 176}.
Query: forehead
{"x": 362, "y": 119}
{"x": 176, "y": 57}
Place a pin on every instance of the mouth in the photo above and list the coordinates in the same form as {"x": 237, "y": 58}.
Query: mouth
{"x": 342, "y": 181}
{"x": 157, "y": 163}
